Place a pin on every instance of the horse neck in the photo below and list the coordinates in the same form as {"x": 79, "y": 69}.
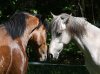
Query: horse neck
{"x": 23, "y": 40}
{"x": 5, "y": 38}
{"x": 89, "y": 43}
{"x": 26, "y": 36}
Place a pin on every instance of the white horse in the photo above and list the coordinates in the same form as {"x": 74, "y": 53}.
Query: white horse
{"x": 65, "y": 27}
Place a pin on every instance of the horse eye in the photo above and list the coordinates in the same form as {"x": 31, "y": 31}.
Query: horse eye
{"x": 62, "y": 18}
{"x": 58, "y": 34}
{"x": 59, "y": 50}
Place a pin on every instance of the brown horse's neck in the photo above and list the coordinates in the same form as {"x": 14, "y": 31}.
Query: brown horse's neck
{"x": 24, "y": 41}
{"x": 20, "y": 43}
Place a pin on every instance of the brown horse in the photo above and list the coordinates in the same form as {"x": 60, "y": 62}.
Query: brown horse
{"x": 14, "y": 36}
{"x": 38, "y": 44}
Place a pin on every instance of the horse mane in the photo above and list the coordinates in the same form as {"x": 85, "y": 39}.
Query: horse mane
{"x": 16, "y": 25}
{"x": 53, "y": 26}
{"x": 42, "y": 21}
{"x": 76, "y": 26}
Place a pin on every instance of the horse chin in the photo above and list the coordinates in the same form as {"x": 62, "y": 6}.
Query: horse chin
{"x": 55, "y": 58}
{"x": 43, "y": 59}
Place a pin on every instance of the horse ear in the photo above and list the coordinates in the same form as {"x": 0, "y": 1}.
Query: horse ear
{"x": 71, "y": 14}
{"x": 54, "y": 16}
{"x": 47, "y": 25}
{"x": 63, "y": 26}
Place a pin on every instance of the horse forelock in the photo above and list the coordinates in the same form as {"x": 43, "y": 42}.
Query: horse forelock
{"x": 56, "y": 22}
{"x": 76, "y": 26}
{"x": 16, "y": 25}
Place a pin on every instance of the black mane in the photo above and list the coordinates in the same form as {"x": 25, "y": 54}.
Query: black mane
{"x": 16, "y": 25}
{"x": 42, "y": 20}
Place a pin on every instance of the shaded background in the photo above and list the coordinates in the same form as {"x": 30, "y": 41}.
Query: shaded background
{"x": 89, "y": 9}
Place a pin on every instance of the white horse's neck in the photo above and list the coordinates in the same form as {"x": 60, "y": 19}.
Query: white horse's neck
{"x": 90, "y": 43}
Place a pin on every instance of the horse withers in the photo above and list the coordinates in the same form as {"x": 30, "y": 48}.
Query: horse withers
{"x": 14, "y": 36}
{"x": 65, "y": 27}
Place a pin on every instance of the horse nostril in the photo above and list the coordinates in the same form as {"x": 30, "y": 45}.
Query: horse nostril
{"x": 50, "y": 56}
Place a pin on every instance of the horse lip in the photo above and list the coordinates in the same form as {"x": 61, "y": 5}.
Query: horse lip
{"x": 42, "y": 59}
